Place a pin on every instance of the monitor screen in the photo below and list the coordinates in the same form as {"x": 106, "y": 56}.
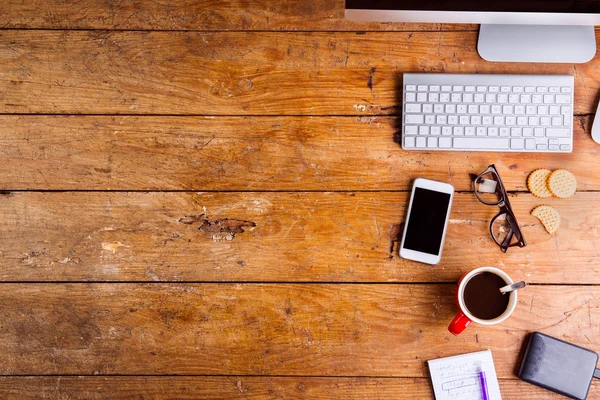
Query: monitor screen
{"x": 536, "y": 6}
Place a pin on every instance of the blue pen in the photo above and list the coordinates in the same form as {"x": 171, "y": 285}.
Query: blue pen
{"x": 484, "y": 389}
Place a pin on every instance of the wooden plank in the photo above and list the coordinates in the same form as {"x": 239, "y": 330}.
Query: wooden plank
{"x": 268, "y": 329}
{"x": 249, "y": 153}
{"x": 188, "y": 387}
{"x": 238, "y": 73}
{"x": 304, "y": 15}
{"x": 324, "y": 237}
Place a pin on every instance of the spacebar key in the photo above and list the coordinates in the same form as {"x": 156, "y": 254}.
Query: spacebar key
{"x": 480, "y": 144}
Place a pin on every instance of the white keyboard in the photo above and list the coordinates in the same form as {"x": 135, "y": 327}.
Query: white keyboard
{"x": 516, "y": 113}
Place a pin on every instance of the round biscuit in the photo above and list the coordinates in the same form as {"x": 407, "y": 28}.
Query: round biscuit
{"x": 562, "y": 183}
{"x": 536, "y": 183}
{"x": 548, "y": 216}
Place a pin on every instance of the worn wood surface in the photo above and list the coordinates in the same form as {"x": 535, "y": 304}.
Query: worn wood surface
{"x": 242, "y": 73}
{"x": 240, "y": 387}
{"x": 294, "y": 15}
{"x": 236, "y": 175}
{"x": 321, "y": 237}
{"x": 249, "y": 153}
{"x": 268, "y": 329}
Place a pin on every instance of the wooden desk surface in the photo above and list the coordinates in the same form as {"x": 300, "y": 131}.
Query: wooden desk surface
{"x": 201, "y": 201}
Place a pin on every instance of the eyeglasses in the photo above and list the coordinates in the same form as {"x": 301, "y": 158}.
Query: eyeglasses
{"x": 504, "y": 227}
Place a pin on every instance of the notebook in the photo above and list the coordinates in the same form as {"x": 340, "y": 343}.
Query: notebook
{"x": 458, "y": 377}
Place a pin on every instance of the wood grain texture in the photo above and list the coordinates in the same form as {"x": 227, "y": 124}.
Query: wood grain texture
{"x": 249, "y": 153}
{"x": 244, "y": 387}
{"x": 319, "y": 237}
{"x": 238, "y": 73}
{"x": 302, "y": 15}
{"x": 268, "y": 329}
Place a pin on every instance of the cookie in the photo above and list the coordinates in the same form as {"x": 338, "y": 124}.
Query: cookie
{"x": 548, "y": 216}
{"x": 562, "y": 183}
{"x": 536, "y": 183}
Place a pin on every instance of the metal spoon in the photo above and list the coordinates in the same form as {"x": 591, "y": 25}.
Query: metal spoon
{"x": 513, "y": 287}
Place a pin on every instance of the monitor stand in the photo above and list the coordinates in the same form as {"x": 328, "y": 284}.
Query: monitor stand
{"x": 537, "y": 43}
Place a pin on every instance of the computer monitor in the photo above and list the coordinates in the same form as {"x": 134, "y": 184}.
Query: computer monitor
{"x": 511, "y": 30}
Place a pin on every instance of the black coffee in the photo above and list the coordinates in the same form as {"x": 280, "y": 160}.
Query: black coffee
{"x": 483, "y": 297}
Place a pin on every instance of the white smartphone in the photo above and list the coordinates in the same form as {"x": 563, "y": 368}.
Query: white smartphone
{"x": 427, "y": 220}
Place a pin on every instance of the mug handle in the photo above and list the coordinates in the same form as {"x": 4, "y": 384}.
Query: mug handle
{"x": 459, "y": 323}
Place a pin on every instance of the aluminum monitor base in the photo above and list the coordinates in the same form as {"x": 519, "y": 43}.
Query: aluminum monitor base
{"x": 537, "y": 43}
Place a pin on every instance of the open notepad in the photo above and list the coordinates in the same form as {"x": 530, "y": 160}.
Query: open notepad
{"x": 457, "y": 378}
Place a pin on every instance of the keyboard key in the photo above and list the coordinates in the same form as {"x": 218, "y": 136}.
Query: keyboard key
{"x": 502, "y": 98}
{"x": 480, "y": 144}
{"x": 565, "y": 147}
{"x": 521, "y": 121}
{"x": 554, "y": 110}
{"x": 470, "y": 131}
{"x": 563, "y": 99}
{"x": 422, "y": 88}
{"x": 458, "y": 88}
{"x": 553, "y": 89}
{"x": 434, "y": 88}
{"x": 450, "y": 108}
{"x": 473, "y": 109}
{"x": 496, "y": 109}
{"x": 428, "y": 108}
{"x": 542, "y": 110}
{"x": 409, "y": 141}
{"x": 421, "y": 97}
{"x": 413, "y": 108}
{"x": 414, "y": 118}
{"x": 557, "y": 121}
{"x": 507, "y": 110}
{"x": 464, "y": 120}
{"x": 421, "y": 142}
{"x": 469, "y": 88}
{"x": 553, "y": 141}
{"x": 467, "y": 98}
{"x": 410, "y": 97}
{"x": 537, "y": 99}
{"x": 529, "y": 144}
{"x": 505, "y": 89}
{"x": 430, "y": 119}
{"x": 542, "y": 89}
{"x": 538, "y": 132}
{"x": 525, "y": 98}
{"x": 423, "y": 130}
{"x": 566, "y": 111}
{"x": 481, "y": 131}
{"x": 566, "y": 89}
{"x": 490, "y": 98}
{"x": 542, "y": 147}
{"x": 493, "y": 89}
{"x": 435, "y": 131}
{"x": 446, "y": 130}
{"x": 476, "y": 120}
{"x": 513, "y": 98}
{"x": 504, "y": 131}
{"x": 432, "y": 142}
{"x": 530, "y": 110}
{"x": 446, "y": 88}
{"x": 433, "y": 97}
{"x": 487, "y": 120}
{"x": 438, "y": 108}
{"x": 511, "y": 121}
{"x": 445, "y": 143}
{"x": 499, "y": 120}
{"x": 553, "y": 147}
{"x": 484, "y": 109}
{"x": 517, "y": 144}
{"x": 456, "y": 97}
{"x": 519, "y": 110}
{"x": 528, "y": 132}
{"x": 517, "y": 89}
{"x": 548, "y": 99}
{"x": 534, "y": 121}
{"x": 461, "y": 109}
{"x": 453, "y": 119}
{"x": 529, "y": 89}
{"x": 458, "y": 131}
{"x": 558, "y": 133}
{"x": 482, "y": 88}
{"x": 410, "y": 88}
{"x": 516, "y": 132}
{"x": 492, "y": 131}
{"x": 545, "y": 121}
{"x": 441, "y": 120}
{"x": 411, "y": 130}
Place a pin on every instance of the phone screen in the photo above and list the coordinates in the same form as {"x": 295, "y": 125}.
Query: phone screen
{"x": 426, "y": 221}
